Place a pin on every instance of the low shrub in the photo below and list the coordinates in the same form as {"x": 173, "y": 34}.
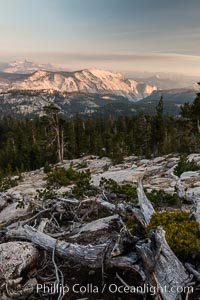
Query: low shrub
{"x": 112, "y": 186}
{"x": 47, "y": 168}
{"x": 160, "y": 198}
{"x": 182, "y": 234}
{"x": 8, "y": 182}
{"x": 82, "y": 184}
{"x": 185, "y": 165}
{"x": 61, "y": 177}
{"x": 47, "y": 194}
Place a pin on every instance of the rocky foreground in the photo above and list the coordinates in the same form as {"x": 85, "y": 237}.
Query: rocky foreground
{"x": 60, "y": 240}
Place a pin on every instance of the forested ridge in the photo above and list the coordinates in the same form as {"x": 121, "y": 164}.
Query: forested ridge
{"x": 28, "y": 144}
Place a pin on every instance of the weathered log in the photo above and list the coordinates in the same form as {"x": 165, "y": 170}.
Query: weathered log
{"x": 161, "y": 265}
{"x": 90, "y": 256}
{"x": 99, "y": 231}
{"x": 154, "y": 261}
{"x": 162, "y": 268}
{"x": 121, "y": 208}
{"x": 146, "y": 207}
{"x": 87, "y": 256}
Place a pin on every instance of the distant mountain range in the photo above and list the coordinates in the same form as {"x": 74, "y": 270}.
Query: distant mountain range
{"x": 26, "y": 67}
{"x": 26, "y": 87}
{"x": 93, "y": 81}
{"x": 165, "y": 81}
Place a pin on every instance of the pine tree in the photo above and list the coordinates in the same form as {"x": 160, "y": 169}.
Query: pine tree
{"x": 192, "y": 111}
{"x": 158, "y": 129}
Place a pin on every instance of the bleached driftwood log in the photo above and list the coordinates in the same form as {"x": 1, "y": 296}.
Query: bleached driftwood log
{"x": 161, "y": 265}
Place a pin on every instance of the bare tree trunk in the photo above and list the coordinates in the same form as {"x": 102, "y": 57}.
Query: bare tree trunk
{"x": 58, "y": 144}
{"x": 198, "y": 125}
{"x": 58, "y": 136}
{"x": 61, "y": 144}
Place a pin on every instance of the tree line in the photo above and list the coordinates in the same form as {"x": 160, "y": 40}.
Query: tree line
{"x": 28, "y": 144}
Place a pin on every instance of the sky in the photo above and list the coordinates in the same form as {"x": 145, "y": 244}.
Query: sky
{"x": 119, "y": 35}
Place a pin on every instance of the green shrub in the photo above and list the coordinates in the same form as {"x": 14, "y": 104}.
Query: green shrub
{"x": 47, "y": 194}
{"x": 47, "y": 168}
{"x": 82, "y": 185}
{"x": 118, "y": 189}
{"x": 182, "y": 234}
{"x": 117, "y": 158}
{"x": 62, "y": 177}
{"x": 161, "y": 198}
{"x": 7, "y": 183}
{"x": 82, "y": 165}
{"x": 185, "y": 165}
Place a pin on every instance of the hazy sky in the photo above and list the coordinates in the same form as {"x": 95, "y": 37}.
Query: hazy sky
{"x": 123, "y": 35}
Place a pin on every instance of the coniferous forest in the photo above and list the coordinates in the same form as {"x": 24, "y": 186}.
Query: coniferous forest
{"x": 27, "y": 144}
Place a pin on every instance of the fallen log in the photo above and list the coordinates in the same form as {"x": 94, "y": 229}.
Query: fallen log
{"x": 95, "y": 257}
{"x": 87, "y": 256}
{"x": 99, "y": 231}
{"x": 164, "y": 270}
{"x": 161, "y": 268}
{"x": 122, "y": 208}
